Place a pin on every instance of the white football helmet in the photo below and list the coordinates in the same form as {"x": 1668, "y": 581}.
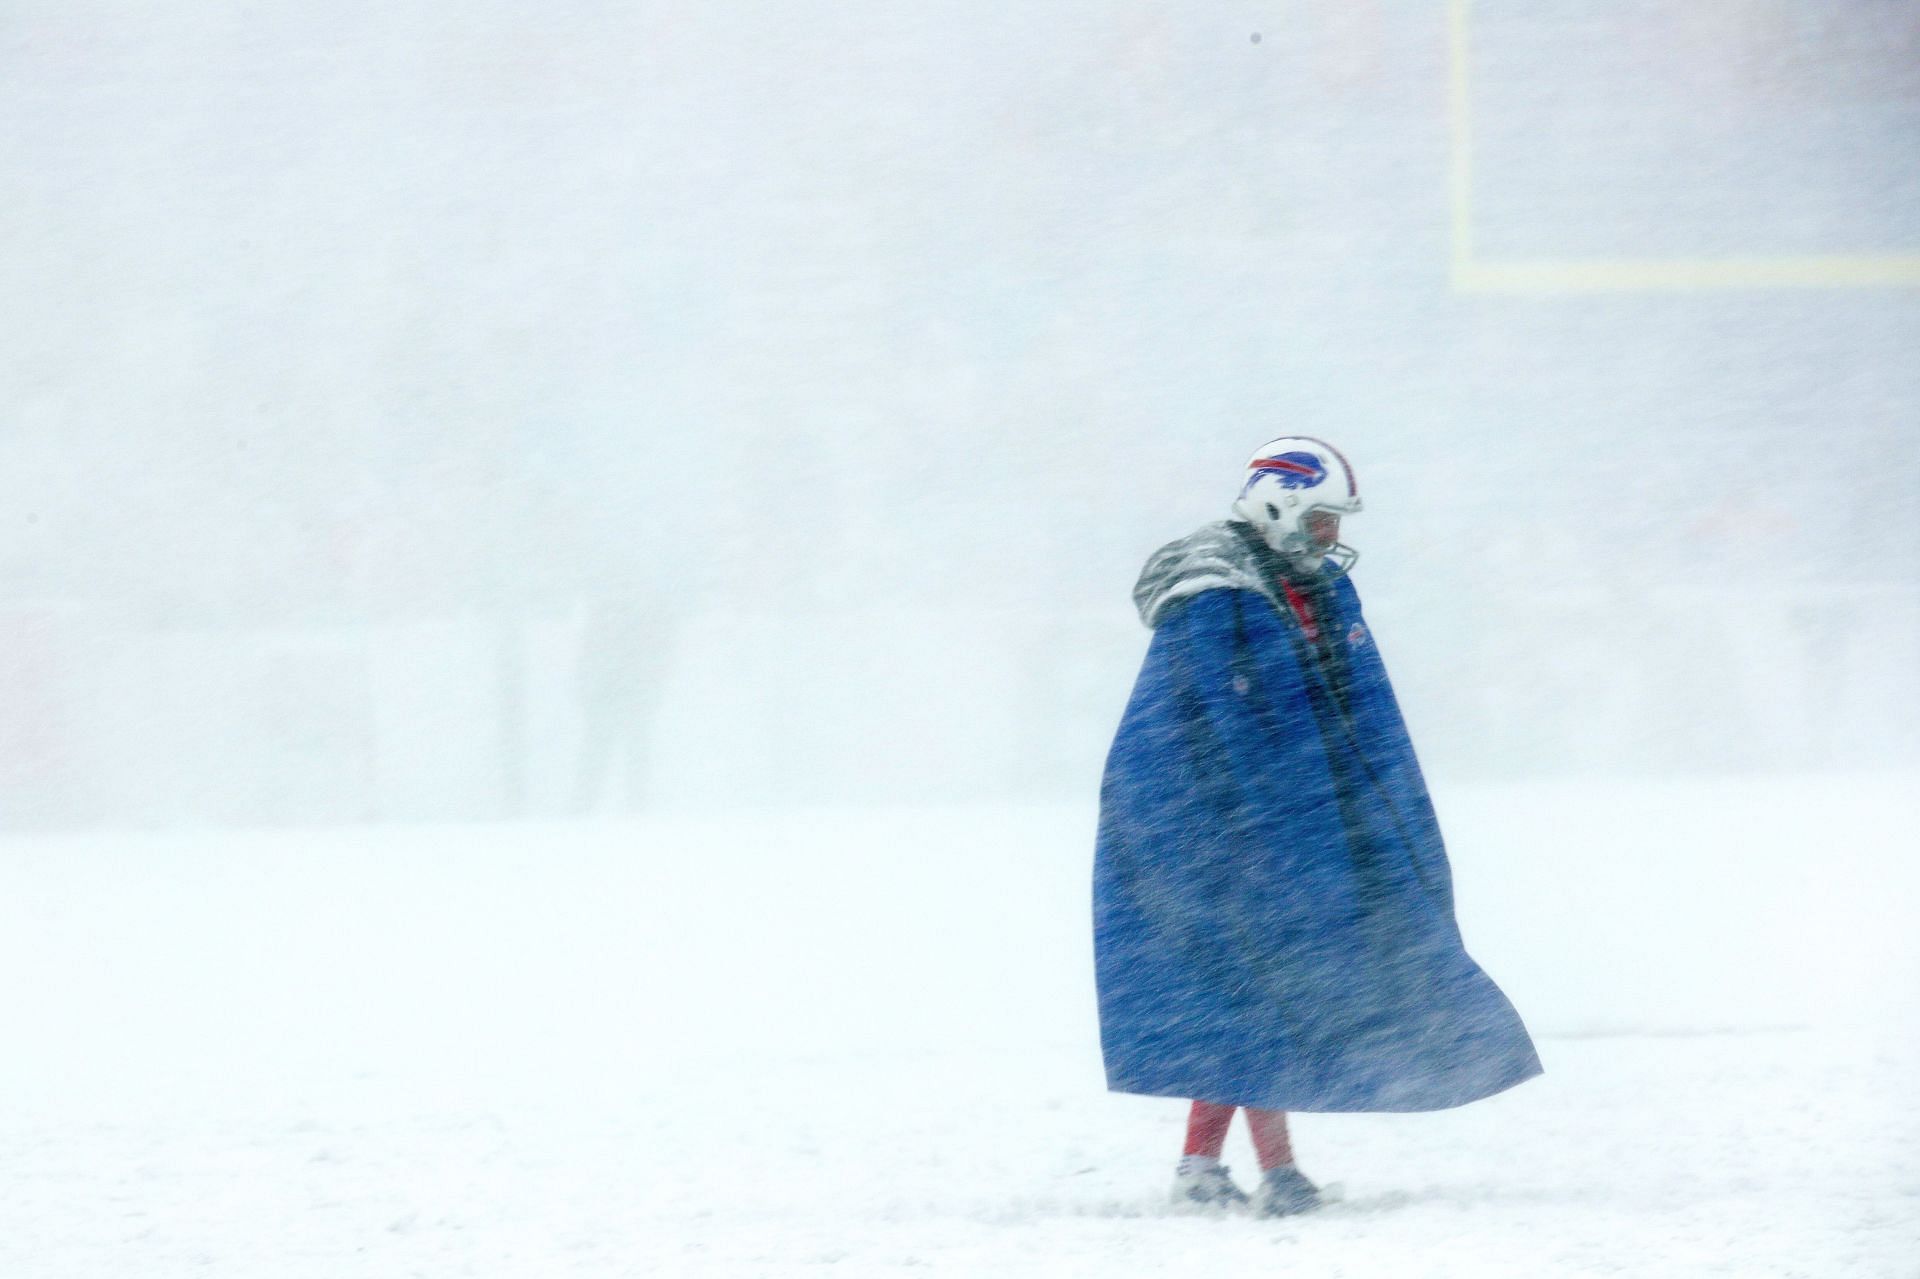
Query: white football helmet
{"x": 1288, "y": 481}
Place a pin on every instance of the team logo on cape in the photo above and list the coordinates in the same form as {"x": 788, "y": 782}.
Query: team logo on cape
{"x": 1293, "y": 470}
{"x": 1357, "y": 636}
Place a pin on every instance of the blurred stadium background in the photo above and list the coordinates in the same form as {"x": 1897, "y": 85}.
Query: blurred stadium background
{"x": 412, "y": 413}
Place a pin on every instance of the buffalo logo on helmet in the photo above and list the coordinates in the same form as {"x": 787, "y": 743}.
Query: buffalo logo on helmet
{"x": 1294, "y": 470}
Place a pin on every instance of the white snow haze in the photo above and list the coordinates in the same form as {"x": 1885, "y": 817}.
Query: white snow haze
{"x": 565, "y": 587}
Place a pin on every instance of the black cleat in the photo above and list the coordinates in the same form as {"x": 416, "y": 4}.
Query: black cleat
{"x": 1284, "y": 1192}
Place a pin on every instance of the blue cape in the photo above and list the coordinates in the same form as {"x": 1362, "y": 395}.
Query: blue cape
{"x": 1273, "y": 911}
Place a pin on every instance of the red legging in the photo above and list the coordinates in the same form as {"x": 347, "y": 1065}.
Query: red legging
{"x": 1207, "y": 1133}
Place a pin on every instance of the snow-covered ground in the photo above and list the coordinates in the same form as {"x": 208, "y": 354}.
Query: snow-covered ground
{"x": 863, "y": 1042}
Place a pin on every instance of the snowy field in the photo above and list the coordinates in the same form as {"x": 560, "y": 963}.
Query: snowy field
{"x": 861, "y": 1043}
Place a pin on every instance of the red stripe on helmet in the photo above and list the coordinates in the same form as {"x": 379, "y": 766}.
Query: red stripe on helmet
{"x": 1281, "y": 464}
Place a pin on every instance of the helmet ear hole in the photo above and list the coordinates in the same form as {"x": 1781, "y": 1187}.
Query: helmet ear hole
{"x": 1273, "y": 512}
